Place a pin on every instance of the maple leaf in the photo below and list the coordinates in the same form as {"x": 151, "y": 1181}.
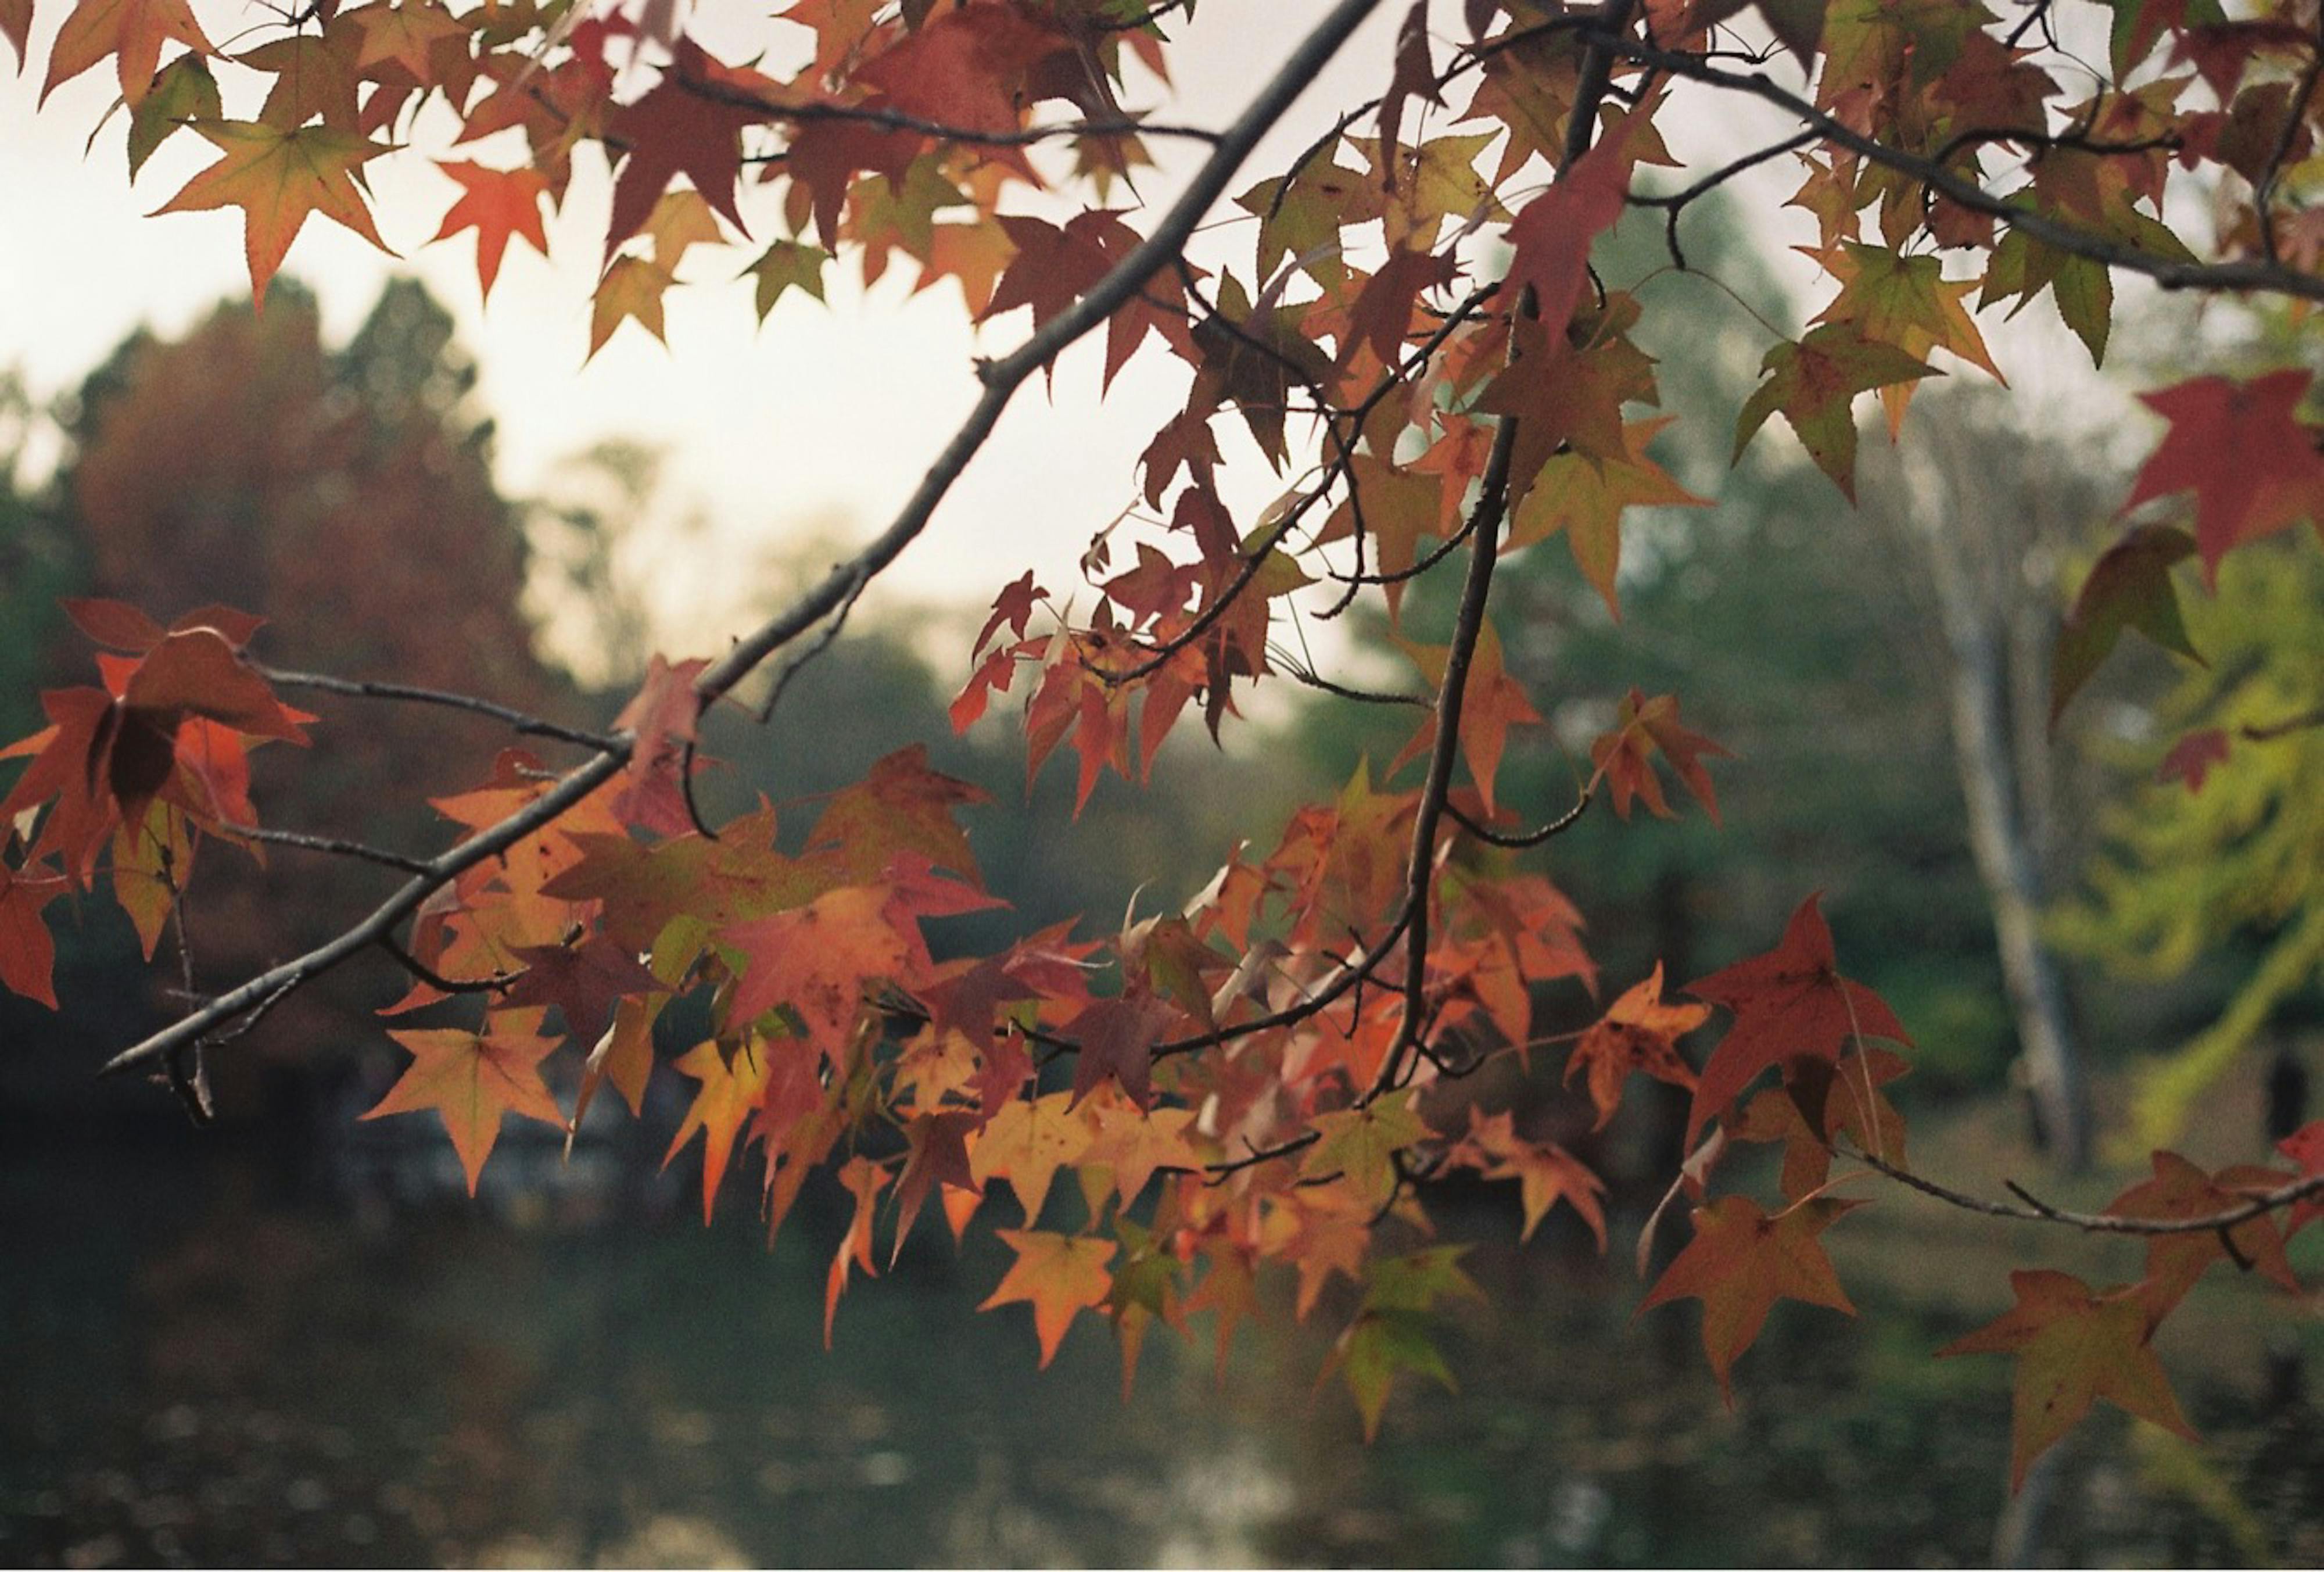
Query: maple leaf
{"x": 151, "y": 861}
{"x": 1813, "y": 383}
{"x": 2179, "y": 1190}
{"x": 631, "y": 291}
{"x": 966, "y": 67}
{"x": 1545, "y": 1172}
{"x": 1741, "y": 1261}
{"x": 495, "y": 204}
{"x": 2194, "y": 757}
{"x": 1026, "y": 1143}
{"x": 819, "y": 959}
{"x": 1906, "y": 301}
{"x": 786, "y": 265}
{"x": 184, "y": 91}
{"x": 2129, "y": 587}
{"x": 673, "y": 130}
{"x": 1493, "y": 701}
{"x": 277, "y": 177}
{"x": 1640, "y": 1032}
{"x": 2305, "y": 1148}
{"x": 1116, "y": 1038}
{"x": 1584, "y": 497}
{"x": 731, "y": 1085}
{"x": 472, "y": 1078}
{"x": 406, "y": 33}
{"x": 133, "y": 31}
{"x": 1360, "y": 1145}
{"x": 1551, "y": 237}
{"x": 1058, "y": 1275}
{"x": 864, "y": 1180}
{"x": 1377, "y": 1348}
{"x": 2239, "y": 448}
{"x": 27, "y": 955}
{"x": 1791, "y": 1002}
{"x": 1623, "y": 757}
{"x": 1818, "y": 1103}
{"x": 584, "y": 981}
{"x": 2073, "y": 1347}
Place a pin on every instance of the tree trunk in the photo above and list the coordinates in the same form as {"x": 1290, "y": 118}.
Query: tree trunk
{"x": 1981, "y": 580}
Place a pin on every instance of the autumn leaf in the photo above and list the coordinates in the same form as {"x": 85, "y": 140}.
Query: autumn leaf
{"x": 2073, "y": 1347}
{"x": 1623, "y": 757}
{"x": 1906, "y": 301}
{"x": 1545, "y": 1172}
{"x": 1741, "y": 1261}
{"x": 133, "y": 31}
{"x": 1058, "y": 1275}
{"x": 2305, "y": 1147}
{"x": 472, "y": 1078}
{"x": 1551, "y": 236}
{"x": 673, "y": 130}
{"x": 1791, "y": 1002}
{"x": 631, "y": 292}
{"x": 2194, "y": 757}
{"x": 1640, "y": 1032}
{"x": 27, "y": 955}
{"x": 1584, "y": 498}
{"x": 495, "y": 204}
{"x": 184, "y": 91}
{"x": 1026, "y": 1143}
{"x": 2240, "y": 448}
{"x": 1360, "y": 1145}
{"x": 2180, "y": 1190}
{"x": 864, "y": 1180}
{"x": 1813, "y": 383}
{"x": 2129, "y": 588}
{"x": 277, "y": 177}
{"x": 732, "y": 1084}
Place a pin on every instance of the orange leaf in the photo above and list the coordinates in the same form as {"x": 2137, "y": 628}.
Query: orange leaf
{"x": 1640, "y": 1032}
{"x": 472, "y": 1078}
{"x": 2072, "y": 1346}
{"x": 1741, "y": 1261}
{"x": 132, "y": 29}
{"x": 1789, "y": 1003}
{"x": 495, "y": 204}
{"x": 1058, "y": 1276}
{"x": 277, "y": 177}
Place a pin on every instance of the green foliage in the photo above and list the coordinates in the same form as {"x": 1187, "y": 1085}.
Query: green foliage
{"x": 2238, "y": 865}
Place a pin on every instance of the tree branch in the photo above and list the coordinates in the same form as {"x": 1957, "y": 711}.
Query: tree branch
{"x": 2170, "y": 275}
{"x": 1001, "y": 378}
{"x": 2033, "y": 1209}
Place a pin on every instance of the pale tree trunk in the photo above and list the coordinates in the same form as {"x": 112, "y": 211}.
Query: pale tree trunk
{"x": 1987, "y": 515}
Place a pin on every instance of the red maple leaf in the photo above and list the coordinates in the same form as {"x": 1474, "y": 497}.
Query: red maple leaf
{"x": 495, "y": 204}
{"x": 1640, "y": 1032}
{"x": 1791, "y": 1002}
{"x": 2239, "y": 448}
{"x": 1741, "y": 1261}
{"x": 680, "y": 127}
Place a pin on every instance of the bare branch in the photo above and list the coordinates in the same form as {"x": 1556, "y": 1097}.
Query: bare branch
{"x": 515, "y": 719}
{"x": 2033, "y": 1209}
{"x": 2266, "y": 275}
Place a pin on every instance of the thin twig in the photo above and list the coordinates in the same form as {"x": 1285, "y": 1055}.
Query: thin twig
{"x": 2213, "y": 276}
{"x": 515, "y": 719}
{"x": 329, "y": 844}
{"x": 2031, "y": 1209}
{"x": 1532, "y": 837}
